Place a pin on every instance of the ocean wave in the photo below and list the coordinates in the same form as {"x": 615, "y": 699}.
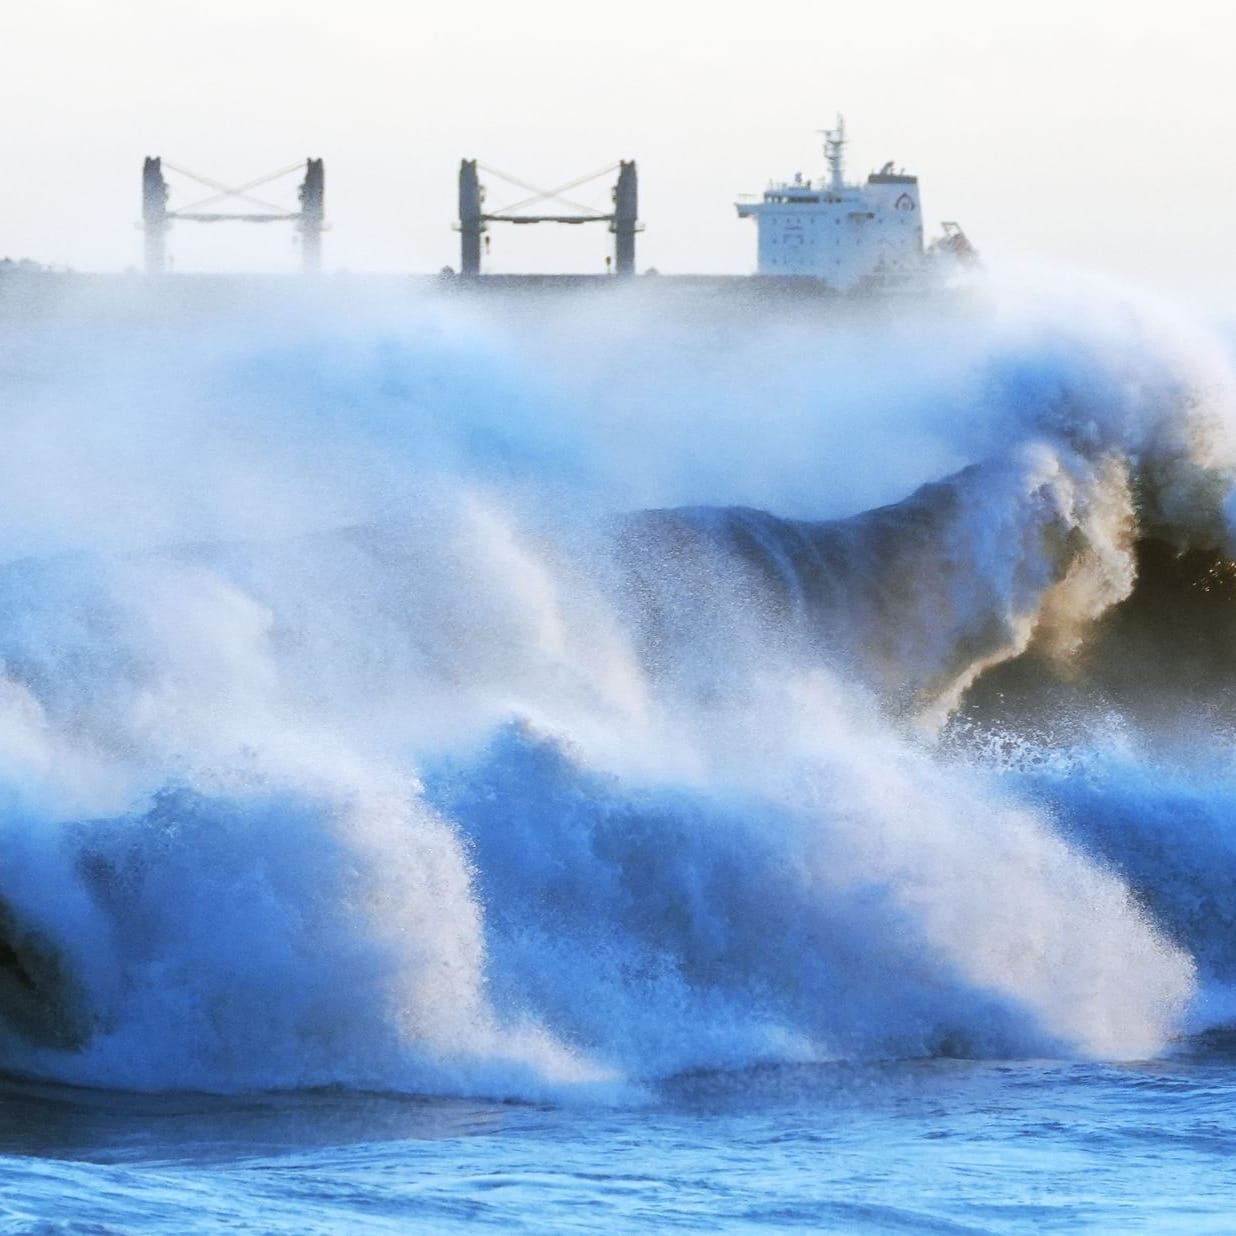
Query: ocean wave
{"x": 452, "y": 703}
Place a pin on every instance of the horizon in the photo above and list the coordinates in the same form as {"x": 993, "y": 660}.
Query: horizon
{"x": 1085, "y": 175}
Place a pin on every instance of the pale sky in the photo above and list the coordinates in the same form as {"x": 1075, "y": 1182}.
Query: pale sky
{"x": 1089, "y": 133}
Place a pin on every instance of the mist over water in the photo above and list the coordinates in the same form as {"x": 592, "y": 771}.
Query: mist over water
{"x": 547, "y": 698}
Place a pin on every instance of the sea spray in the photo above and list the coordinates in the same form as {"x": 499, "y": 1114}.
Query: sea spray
{"x": 434, "y": 701}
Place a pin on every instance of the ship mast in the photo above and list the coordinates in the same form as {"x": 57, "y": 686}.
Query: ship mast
{"x": 834, "y": 152}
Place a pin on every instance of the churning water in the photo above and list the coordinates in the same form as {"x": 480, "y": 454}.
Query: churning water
{"x": 624, "y": 760}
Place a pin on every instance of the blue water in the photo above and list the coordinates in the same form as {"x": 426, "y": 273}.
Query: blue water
{"x": 926, "y": 1146}
{"x": 624, "y": 762}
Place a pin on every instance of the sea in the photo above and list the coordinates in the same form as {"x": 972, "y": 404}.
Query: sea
{"x": 628, "y": 758}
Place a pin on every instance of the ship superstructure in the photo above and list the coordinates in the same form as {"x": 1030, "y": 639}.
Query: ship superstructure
{"x": 847, "y": 235}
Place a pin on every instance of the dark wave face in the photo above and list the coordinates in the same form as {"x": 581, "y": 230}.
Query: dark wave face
{"x": 897, "y": 597}
{"x": 443, "y": 697}
{"x": 1077, "y": 621}
{"x": 1163, "y": 658}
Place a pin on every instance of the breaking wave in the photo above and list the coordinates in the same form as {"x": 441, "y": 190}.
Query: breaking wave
{"x": 461, "y": 696}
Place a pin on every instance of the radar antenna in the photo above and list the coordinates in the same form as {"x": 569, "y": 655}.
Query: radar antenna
{"x": 834, "y": 152}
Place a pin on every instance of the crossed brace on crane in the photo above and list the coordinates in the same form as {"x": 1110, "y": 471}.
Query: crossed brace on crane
{"x": 623, "y": 220}
{"x": 309, "y": 220}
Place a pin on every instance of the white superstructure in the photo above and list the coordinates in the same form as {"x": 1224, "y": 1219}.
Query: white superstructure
{"x": 846, "y": 235}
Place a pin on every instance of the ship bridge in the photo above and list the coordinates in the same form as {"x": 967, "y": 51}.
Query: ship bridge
{"x": 846, "y": 235}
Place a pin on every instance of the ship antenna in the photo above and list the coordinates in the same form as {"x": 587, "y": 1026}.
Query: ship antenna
{"x": 834, "y": 152}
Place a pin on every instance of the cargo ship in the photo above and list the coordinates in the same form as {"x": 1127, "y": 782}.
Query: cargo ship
{"x": 815, "y": 238}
